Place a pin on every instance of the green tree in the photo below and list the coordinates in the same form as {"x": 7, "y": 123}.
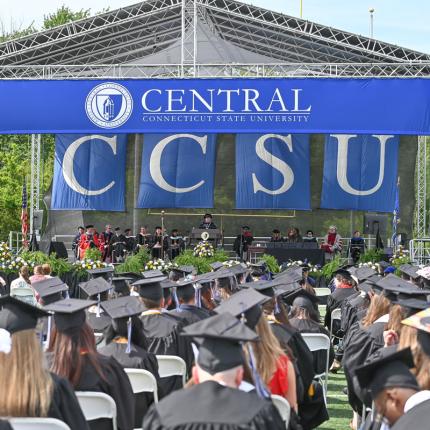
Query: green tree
{"x": 64, "y": 15}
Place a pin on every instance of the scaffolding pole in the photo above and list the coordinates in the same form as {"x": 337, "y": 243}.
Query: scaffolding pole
{"x": 189, "y": 38}
{"x": 34, "y": 203}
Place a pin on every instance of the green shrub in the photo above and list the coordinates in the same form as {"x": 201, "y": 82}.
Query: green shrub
{"x": 202, "y": 264}
{"x": 272, "y": 262}
{"x": 372, "y": 256}
{"x": 93, "y": 254}
{"x": 134, "y": 263}
{"x": 332, "y": 266}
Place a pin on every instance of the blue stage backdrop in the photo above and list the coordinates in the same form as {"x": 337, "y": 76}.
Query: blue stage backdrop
{"x": 272, "y": 171}
{"x": 177, "y": 171}
{"x": 243, "y": 105}
{"x": 360, "y": 172}
{"x": 89, "y": 172}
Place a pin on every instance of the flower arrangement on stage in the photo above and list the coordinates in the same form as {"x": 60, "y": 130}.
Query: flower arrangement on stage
{"x": 369, "y": 264}
{"x": 204, "y": 249}
{"x": 88, "y": 264}
{"x": 401, "y": 256}
{"x": 314, "y": 269}
{"x": 158, "y": 264}
{"x": 9, "y": 262}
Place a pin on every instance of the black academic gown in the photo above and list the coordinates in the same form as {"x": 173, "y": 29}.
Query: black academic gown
{"x": 312, "y": 409}
{"x": 334, "y": 301}
{"x": 117, "y": 385}
{"x": 161, "y": 331}
{"x": 310, "y": 326}
{"x": 350, "y": 311}
{"x": 98, "y": 324}
{"x": 65, "y": 406}
{"x": 211, "y": 406}
{"x": 138, "y": 358}
{"x": 5, "y": 425}
{"x": 190, "y": 314}
{"x": 416, "y": 418}
{"x": 361, "y": 344}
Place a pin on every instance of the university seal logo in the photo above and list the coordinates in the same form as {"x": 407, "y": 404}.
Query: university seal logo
{"x": 109, "y": 105}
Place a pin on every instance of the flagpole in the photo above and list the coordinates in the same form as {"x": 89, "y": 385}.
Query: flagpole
{"x": 301, "y": 8}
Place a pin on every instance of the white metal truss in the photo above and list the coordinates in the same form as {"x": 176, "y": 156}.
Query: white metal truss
{"x": 189, "y": 37}
{"x": 169, "y": 71}
{"x": 34, "y": 201}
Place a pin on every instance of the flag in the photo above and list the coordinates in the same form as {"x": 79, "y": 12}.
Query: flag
{"x": 24, "y": 216}
{"x": 396, "y": 215}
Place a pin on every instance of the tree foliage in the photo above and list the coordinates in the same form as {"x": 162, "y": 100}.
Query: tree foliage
{"x": 64, "y": 15}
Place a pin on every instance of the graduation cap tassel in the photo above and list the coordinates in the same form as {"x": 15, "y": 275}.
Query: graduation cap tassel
{"x": 259, "y": 384}
{"x": 128, "y": 349}
{"x": 48, "y": 335}
{"x": 198, "y": 298}
{"x": 98, "y": 306}
{"x": 277, "y": 310}
{"x": 175, "y": 297}
{"x": 67, "y": 294}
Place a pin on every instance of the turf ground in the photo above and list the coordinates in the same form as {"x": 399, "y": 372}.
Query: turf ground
{"x": 338, "y": 408}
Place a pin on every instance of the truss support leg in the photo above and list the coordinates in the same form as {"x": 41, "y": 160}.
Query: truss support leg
{"x": 35, "y": 178}
{"x": 189, "y": 38}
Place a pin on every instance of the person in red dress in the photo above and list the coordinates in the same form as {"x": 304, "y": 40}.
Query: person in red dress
{"x": 88, "y": 240}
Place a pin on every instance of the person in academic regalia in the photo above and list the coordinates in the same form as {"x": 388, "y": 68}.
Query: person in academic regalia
{"x": 72, "y": 354}
{"x": 88, "y": 240}
{"x": 118, "y": 243}
{"x": 129, "y": 241}
{"x": 357, "y": 246}
{"x": 126, "y": 343}
{"x": 394, "y": 390}
{"x": 28, "y": 389}
{"x": 207, "y": 223}
{"x": 161, "y": 329}
{"x": 332, "y": 243}
{"x": 142, "y": 239}
{"x": 276, "y": 236}
{"x": 215, "y": 402}
{"x": 189, "y": 306}
{"x": 242, "y": 242}
{"x": 175, "y": 244}
{"x": 106, "y": 237}
{"x": 97, "y": 289}
{"x": 158, "y": 243}
{"x": 76, "y": 240}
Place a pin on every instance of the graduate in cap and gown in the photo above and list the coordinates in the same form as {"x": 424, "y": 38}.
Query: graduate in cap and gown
{"x": 189, "y": 302}
{"x": 126, "y": 343}
{"x": 215, "y": 402}
{"x": 162, "y": 330}
{"x": 72, "y": 355}
{"x": 28, "y": 389}
{"x": 398, "y": 402}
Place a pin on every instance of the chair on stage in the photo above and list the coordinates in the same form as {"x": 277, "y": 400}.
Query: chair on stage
{"x": 322, "y": 292}
{"x": 171, "y": 365}
{"x": 283, "y": 408}
{"x": 37, "y": 424}
{"x": 320, "y": 342}
{"x": 97, "y": 405}
{"x": 142, "y": 381}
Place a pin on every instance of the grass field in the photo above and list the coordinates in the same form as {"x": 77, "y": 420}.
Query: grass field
{"x": 338, "y": 408}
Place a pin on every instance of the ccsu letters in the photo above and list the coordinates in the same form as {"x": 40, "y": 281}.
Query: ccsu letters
{"x": 272, "y": 172}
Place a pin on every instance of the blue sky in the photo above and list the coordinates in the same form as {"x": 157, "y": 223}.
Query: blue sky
{"x": 401, "y": 22}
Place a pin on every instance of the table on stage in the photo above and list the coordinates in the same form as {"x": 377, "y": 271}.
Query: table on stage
{"x": 283, "y": 255}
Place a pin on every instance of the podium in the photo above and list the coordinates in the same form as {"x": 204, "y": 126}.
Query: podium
{"x": 214, "y": 235}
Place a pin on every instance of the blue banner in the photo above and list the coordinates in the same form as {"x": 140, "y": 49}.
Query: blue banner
{"x": 272, "y": 171}
{"x": 278, "y": 105}
{"x": 177, "y": 171}
{"x": 360, "y": 172}
{"x": 89, "y": 172}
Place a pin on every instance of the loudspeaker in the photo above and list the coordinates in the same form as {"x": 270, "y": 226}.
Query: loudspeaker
{"x": 59, "y": 248}
{"x": 373, "y": 222}
{"x": 37, "y": 220}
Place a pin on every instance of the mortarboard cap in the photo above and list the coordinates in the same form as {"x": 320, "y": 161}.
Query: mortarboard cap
{"x": 95, "y": 286}
{"x": 389, "y": 371}
{"x": 409, "y": 270}
{"x": 89, "y": 226}
{"x": 247, "y": 303}
{"x": 411, "y": 304}
{"x": 219, "y": 341}
{"x": 291, "y": 275}
{"x": 344, "y": 273}
{"x": 421, "y": 321}
{"x": 363, "y": 273}
{"x": 16, "y": 315}
{"x": 121, "y": 284}
{"x": 51, "y": 289}
{"x": 263, "y": 287}
{"x": 393, "y": 283}
{"x": 207, "y": 216}
{"x": 366, "y": 286}
{"x": 383, "y": 264}
{"x": 101, "y": 272}
{"x": 152, "y": 274}
{"x": 123, "y": 307}
{"x": 217, "y": 265}
{"x": 300, "y": 297}
{"x": 69, "y": 314}
{"x": 150, "y": 288}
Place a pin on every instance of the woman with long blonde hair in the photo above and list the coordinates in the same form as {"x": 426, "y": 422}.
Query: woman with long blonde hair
{"x": 29, "y": 389}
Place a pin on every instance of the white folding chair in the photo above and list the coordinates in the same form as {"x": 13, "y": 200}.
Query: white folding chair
{"x": 322, "y": 292}
{"x": 283, "y": 408}
{"x": 142, "y": 381}
{"x": 97, "y": 405}
{"x": 319, "y": 342}
{"x": 172, "y": 365}
{"x": 37, "y": 424}
{"x": 335, "y": 315}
